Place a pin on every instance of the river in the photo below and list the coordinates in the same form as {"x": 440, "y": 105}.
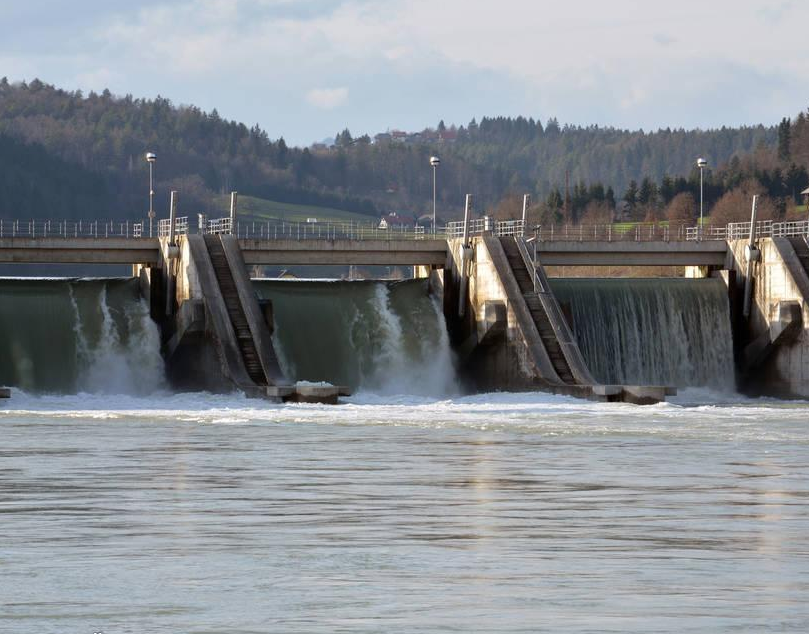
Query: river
{"x": 488, "y": 513}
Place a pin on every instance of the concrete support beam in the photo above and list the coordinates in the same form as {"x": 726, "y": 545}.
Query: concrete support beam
{"x": 80, "y": 250}
{"x": 345, "y": 252}
{"x": 571, "y": 253}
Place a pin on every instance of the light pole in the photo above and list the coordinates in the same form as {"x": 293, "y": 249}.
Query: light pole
{"x": 151, "y": 157}
{"x": 701, "y": 164}
{"x": 435, "y": 162}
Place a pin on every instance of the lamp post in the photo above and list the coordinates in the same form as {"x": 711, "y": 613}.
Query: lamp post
{"x": 151, "y": 157}
{"x": 435, "y": 162}
{"x": 701, "y": 164}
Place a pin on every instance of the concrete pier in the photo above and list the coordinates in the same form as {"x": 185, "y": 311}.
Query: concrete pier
{"x": 773, "y": 342}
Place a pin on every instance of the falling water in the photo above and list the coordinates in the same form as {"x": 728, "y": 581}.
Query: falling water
{"x": 72, "y": 335}
{"x": 383, "y": 337}
{"x": 652, "y": 331}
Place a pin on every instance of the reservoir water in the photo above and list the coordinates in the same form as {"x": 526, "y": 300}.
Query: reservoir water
{"x": 488, "y": 513}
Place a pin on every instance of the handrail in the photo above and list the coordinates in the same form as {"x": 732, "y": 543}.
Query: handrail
{"x": 278, "y": 229}
{"x": 567, "y": 342}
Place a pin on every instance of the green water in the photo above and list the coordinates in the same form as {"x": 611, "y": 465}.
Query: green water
{"x": 387, "y": 337}
{"x": 69, "y": 335}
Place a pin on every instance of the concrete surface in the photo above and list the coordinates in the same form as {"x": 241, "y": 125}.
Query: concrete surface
{"x": 344, "y": 252}
{"x": 574, "y": 253}
{"x": 80, "y": 250}
{"x": 778, "y": 277}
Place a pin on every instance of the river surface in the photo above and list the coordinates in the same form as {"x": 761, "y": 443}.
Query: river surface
{"x": 492, "y": 513}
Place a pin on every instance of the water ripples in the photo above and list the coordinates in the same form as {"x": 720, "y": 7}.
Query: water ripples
{"x": 498, "y": 513}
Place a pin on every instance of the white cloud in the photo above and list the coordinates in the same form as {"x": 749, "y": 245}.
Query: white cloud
{"x": 412, "y": 62}
{"x": 327, "y": 98}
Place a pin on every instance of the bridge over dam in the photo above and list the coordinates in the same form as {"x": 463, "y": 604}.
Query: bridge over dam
{"x": 366, "y": 252}
{"x": 510, "y": 327}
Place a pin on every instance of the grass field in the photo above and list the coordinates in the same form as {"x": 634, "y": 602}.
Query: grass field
{"x": 250, "y": 208}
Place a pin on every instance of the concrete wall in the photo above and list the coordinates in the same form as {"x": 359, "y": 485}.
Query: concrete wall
{"x": 778, "y": 277}
{"x": 507, "y": 363}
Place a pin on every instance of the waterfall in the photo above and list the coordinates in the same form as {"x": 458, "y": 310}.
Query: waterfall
{"x": 87, "y": 335}
{"x": 382, "y": 337}
{"x": 652, "y": 331}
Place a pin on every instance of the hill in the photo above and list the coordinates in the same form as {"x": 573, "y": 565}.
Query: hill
{"x": 67, "y": 154}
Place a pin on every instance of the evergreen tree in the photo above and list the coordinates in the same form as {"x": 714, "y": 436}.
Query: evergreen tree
{"x": 647, "y": 195}
{"x": 631, "y": 195}
{"x": 784, "y": 133}
{"x": 609, "y": 197}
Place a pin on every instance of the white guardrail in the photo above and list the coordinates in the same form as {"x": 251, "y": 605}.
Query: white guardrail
{"x": 282, "y": 230}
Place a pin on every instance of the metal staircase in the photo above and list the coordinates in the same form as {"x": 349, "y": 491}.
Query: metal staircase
{"x": 529, "y": 292}
{"x": 238, "y": 319}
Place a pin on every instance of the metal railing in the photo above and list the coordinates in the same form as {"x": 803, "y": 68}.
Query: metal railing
{"x": 616, "y": 232}
{"x": 510, "y": 228}
{"x": 283, "y": 230}
{"x": 216, "y": 226}
{"x": 477, "y": 227}
{"x": 180, "y": 227}
{"x": 69, "y": 229}
{"x": 790, "y": 229}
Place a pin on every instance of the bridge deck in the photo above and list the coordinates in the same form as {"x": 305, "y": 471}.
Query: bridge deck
{"x": 80, "y": 250}
{"x": 360, "y": 252}
{"x": 575, "y": 253}
{"x": 344, "y": 252}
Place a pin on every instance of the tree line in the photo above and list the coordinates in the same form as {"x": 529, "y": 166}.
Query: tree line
{"x": 67, "y": 154}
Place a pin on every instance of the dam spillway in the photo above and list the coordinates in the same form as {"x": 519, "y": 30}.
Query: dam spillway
{"x": 380, "y": 336}
{"x": 642, "y": 333}
{"x": 667, "y": 331}
{"x": 78, "y": 335}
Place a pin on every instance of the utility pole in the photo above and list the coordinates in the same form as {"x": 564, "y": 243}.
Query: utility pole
{"x": 151, "y": 158}
{"x": 702, "y": 164}
{"x": 435, "y": 162}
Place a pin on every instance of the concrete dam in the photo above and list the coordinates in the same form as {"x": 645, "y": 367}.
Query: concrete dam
{"x": 481, "y": 314}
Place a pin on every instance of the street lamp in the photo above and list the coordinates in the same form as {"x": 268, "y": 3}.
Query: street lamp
{"x": 435, "y": 162}
{"x": 701, "y": 164}
{"x": 151, "y": 157}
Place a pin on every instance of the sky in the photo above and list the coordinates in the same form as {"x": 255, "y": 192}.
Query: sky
{"x": 306, "y": 69}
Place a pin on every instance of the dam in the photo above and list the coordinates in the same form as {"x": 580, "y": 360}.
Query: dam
{"x": 480, "y": 314}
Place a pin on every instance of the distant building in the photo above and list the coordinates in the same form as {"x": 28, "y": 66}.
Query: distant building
{"x": 395, "y": 220}
{"x": 425, "y": 220}
{"x": 449, "y": 135}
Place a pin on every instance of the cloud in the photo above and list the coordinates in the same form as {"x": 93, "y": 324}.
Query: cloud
{"x": 327, "y": 98}
{"x": 409, "y": 63}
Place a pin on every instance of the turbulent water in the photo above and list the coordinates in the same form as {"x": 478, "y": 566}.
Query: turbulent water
{"x": 78, "y": 335}
{"x": 652, "y": 331}
{"x": 494, "y": 513}
{"x": 386, "y": 337}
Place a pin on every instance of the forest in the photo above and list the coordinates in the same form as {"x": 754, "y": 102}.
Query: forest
{"x": 64, "y": 154}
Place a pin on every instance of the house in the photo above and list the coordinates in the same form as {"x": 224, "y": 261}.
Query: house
{"x": 449, "y": 135}
{"x": 395, "y": 220}
{"x": 425, "y": 220}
